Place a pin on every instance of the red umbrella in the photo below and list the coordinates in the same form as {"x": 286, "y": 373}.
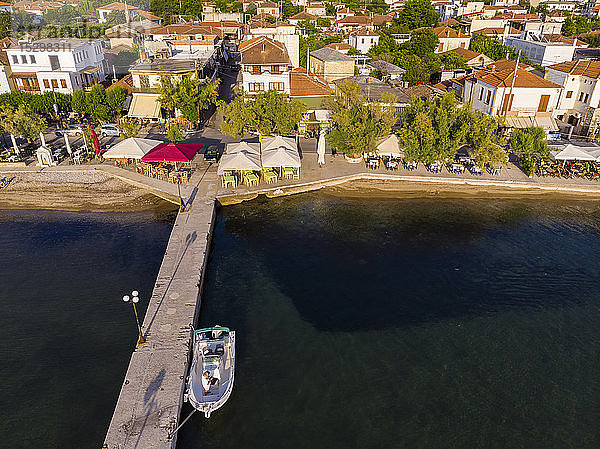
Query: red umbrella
{"x": 95, "y": 140}
{"x": 172, "y": 152}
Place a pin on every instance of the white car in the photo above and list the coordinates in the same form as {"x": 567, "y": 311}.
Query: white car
{"x": 110, "y": 129}
{"x": 71, "y": 130}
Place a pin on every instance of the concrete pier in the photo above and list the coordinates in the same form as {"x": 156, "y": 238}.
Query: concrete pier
{"x": 151, "y": 396}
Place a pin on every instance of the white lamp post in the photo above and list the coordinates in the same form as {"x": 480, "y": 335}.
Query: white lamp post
{"x": 134, "y": 300}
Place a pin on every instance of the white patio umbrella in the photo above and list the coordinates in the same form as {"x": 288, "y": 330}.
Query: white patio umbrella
{"x": 390, "y": 146}
{"x": 243, "y": 146}
{"x": 239, "y": 161}
{"x": 280, "y": 157}
{"x": 278, "y": 141}
{"x": 14, "y": 143}
{"x": 42, "y": 139}
{"x": 68, "y": 144}
{"x": 131, "y": 148}
{"x": 573, "y": 153}
{"x": 321, "y": 148}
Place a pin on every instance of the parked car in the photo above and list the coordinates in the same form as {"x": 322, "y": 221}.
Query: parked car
{"x": 110, "y": 129}
{"x": 211, "y": 154}
{"x": 71, "y": 130}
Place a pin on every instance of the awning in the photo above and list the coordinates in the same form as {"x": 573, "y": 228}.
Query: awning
{"x": 547, "y": 123}
{"x": 23, "y": 75}
{"x": 144, "y": 106}
{"x": 91, "y": 69}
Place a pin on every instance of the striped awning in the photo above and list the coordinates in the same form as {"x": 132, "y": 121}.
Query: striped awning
{"x": 144, "y": 106}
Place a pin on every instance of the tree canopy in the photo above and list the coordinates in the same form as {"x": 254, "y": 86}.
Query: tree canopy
{"x": 267, "y": 113}
{"x": 526, "y": 143}
{"x": 434, "y": 129}
{"x": 494, "y": 49}
{"x": 99, "y": 103}
{"x": 417, "y": 14}
{"x": 189, "y": 95}
{"x": 358, "y": 124}
{"x": 416, "y": 56}
{"x": 22, "y": 122}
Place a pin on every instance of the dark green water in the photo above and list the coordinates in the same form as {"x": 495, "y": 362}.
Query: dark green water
{"x": 66, "y": 334}
{"x": 407, "y": 323}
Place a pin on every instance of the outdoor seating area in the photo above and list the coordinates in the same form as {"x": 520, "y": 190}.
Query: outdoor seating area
{"x": 392, "y": 158}
{"x": 272, "y": 159}
{"x": 159, "y": 160}
{"x": 570, "y": 161}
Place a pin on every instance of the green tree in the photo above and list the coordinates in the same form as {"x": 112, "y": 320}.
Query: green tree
{"x": 115, "y": 99}
{"x": 97, "y": 104}
{"x": 433, "y": 130}
{"x": 167, "y": 93}
{"x": 358, "y": 124}
{"x": 289, "y": 9}
{"x": 494, "y": 49}
{"x": 267, "y": 113}
{"x": 526, "y": 143}
{"x": 61, "y": 16}
{"x": 482, "y": 137}
{"x": 79, "y": 101}
{"x": 422, "y": 42}
{"x": 453, "y": 61}
{"x": 330, "y": 9}
{"x": 4, "y": 24}
{"x": 175, "y": 133}
{"x": 22, "y": 122}
{"x": 353, "y": 51}
{"x": 189, "y": 95}
{"x": 115, "y": 18}
{"x": 417, "y": 14}
{"x": 123, "y": 60}
{"x": 130, "y": 128}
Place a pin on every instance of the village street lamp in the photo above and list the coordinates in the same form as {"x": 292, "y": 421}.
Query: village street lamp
{"x": 134, "y": 300}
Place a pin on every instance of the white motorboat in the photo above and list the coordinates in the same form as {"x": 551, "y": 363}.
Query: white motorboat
{"x": 210, "y": 381}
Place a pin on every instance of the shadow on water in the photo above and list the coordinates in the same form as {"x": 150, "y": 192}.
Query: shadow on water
{"x": 396, "y": 262}
{"x": 406, "y": 323}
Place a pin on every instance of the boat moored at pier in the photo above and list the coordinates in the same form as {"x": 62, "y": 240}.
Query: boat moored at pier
{"x": 210, "y": 381}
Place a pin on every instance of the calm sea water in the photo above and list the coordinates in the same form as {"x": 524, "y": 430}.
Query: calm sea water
{"x": 66, "y": 334}
{"x": 406, "y": 323}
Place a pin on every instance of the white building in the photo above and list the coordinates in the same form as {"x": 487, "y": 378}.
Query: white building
{"x": 578, "y": 105}
{"x": 542, "y": 52}
{"x": 265, "y": 66}
{"x": 60, "y": 65}
{"x": 104, "y": 11}
{"x": 494, "y": 92}
{"x": 363, "y": 40}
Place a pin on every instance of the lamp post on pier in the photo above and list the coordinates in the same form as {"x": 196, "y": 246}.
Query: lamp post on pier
{"x": 134, "y": 300}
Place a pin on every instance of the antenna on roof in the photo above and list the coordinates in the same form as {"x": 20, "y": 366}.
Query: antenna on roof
{"x": 512, "y": 84}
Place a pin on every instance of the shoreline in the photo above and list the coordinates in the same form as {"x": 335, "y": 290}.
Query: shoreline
{"x": 76, "y": 192}
{"x": 96, "y": 191}
{"x": 377, "y": 186}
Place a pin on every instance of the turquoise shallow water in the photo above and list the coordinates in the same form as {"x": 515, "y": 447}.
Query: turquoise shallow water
{"x": 407, "y": 323}
{"x": 66, "y": 334}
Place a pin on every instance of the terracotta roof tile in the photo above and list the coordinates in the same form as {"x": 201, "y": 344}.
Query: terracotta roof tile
{"x": 585, "y": 67}
{"x": 303, "y": 85}
{"x": 262, "y": 50}
{"x": 523, "y": 79}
